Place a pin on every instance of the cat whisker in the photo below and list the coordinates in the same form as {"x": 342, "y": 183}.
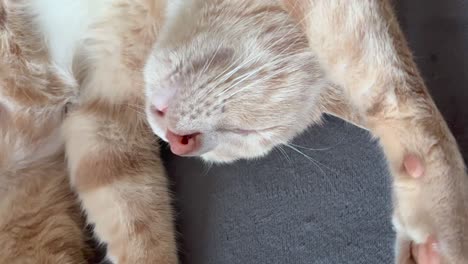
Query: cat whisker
{"x": 257, "y": 81}
{"x": 248, "y": 60}
{"x": 216, "y": 78}
{"x": 315, "y": 162}
{"x": 208, "y": 64}
{"x": 210, "y": 165}
{"x": 251, "y": 73}
{"x": 279, "y": 58}
{"x": 284, "y": 153}
{"x": 313, "y": 149}
{"x": 238, "y": 67}
{"x": 294, "y": 8}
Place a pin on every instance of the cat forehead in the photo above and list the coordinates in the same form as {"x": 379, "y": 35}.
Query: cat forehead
{"x": 198, "y": 53}
{"x": 216, "y": 13}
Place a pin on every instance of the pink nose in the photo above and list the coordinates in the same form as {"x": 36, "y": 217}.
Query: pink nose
{"x": 182, "y": 145}
{"x": 159, "y": 111}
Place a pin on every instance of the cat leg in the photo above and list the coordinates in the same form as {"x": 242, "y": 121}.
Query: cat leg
{"x": 40, "y": 218}
{"x": 115, "y": 167}
{"x": 116, "y": 170}
{"x": 363, "y": 51}
{"x": 112, "y": 153}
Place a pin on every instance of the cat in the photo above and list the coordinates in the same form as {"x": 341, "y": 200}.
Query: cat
{"x": 227, "y": 80}
{"x": 112, "y": 161}
{"x": 225, "y": 85}
{"x": 40, "y": 217}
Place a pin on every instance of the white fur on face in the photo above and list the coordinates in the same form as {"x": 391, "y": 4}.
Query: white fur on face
{"x": 240, "y": 73}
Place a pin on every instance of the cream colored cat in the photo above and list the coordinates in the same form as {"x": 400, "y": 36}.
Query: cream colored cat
{"x": 113, "y": 163}
{"x": 232, "y": 79}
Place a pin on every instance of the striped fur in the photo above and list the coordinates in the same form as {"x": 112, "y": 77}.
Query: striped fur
{"x": 349, "y": 59}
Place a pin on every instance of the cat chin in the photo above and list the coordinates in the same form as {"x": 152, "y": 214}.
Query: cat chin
{"x": 226, "y": 157}
{"x": 213, "y": 157}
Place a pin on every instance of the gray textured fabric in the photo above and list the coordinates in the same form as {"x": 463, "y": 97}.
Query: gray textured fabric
{"x": 329, "y": 207}
{"x": 333, "y": 207}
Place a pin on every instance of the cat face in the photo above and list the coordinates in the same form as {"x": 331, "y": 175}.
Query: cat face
{"x": 231, "y": 80}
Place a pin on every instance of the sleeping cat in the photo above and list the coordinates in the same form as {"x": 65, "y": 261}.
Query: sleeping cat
{"x": 226, "y": 80}
{"x": 233, "y": 79}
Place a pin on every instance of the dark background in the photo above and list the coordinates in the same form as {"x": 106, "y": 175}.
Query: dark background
{"x": 437, "y": 31}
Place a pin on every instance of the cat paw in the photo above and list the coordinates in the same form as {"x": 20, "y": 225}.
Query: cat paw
{"x": 412, "y": 253}
{"x": 418, "y": 210}
{"x": 410, "y": 218}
